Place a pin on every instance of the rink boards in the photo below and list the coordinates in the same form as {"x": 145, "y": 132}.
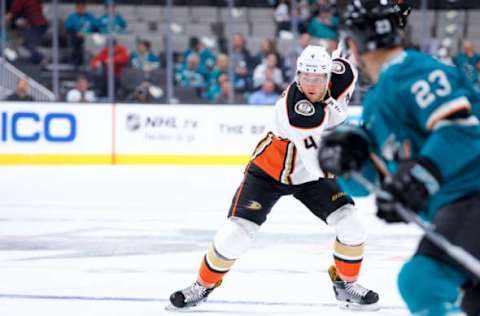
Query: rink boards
{"x": 61, "y": 133}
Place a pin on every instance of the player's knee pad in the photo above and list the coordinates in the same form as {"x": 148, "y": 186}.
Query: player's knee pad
{"x": 348, "y": 226}
{"x": 235, "y": 237}
{"x": 471, "y": 301}
{"x": 429, "y": 287}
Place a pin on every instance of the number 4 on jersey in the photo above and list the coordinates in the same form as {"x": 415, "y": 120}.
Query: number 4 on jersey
{"x": 310, "y": 143}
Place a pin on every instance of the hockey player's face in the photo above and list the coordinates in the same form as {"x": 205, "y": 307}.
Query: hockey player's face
{"x": 314, "y": 86}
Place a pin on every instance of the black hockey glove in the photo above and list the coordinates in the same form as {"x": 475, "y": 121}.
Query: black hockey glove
{"x": 345, "y": 149}
{"x": 471, "y": 299}
{"x": 412, "y": 185}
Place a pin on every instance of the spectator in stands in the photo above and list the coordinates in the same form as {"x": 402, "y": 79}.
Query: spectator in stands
{"x": 222, "y": 97}
{"x": 266, "y": 95}
{"x": 207, "y": 57}
{"x": 32, "y": 12}
{"x": 282, "y": 16}
{"x": 467, "y": 61}
{"x": 77, "y": 25}
{"x": 119, "y": 22}
{"x": 268, "y": 70}
{"x": 304, "y": 14}
{"x": 443, "y": 53}
{"x": 143, "y": 59}
{"x": 191, "y": 75}
{"x": 21, "y": 92}
{"x": 142, "y": 94}
{"x": 81, "y": 93}
{"x": 267, "y": 46}
{"x": 292, "y": 54}
{"x": 325, "y": 24}
{"x": 215, "y": 89}
{"x": 221, "y": 67}
{"x": 242, "y": 62}
{"x": 99, "y": 64}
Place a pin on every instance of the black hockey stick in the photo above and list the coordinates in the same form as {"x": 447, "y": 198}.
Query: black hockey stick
{"x": 459, "y": 254}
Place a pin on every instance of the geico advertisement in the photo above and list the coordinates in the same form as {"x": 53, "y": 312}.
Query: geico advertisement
{"x": 192, "y": 129}
{"x": 55, "y": 128}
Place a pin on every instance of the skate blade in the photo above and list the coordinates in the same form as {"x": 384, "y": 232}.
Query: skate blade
{"x": 358, "y": 307}
{"x": 172, "y": 308}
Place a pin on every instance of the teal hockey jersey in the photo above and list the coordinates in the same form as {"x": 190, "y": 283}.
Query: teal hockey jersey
{"x": 421, "y": 107}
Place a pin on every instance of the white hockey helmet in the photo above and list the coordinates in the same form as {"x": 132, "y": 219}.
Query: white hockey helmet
{"x": 314, "y": 59}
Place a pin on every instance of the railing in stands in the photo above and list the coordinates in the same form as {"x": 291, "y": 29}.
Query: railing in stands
{"x": 9, "y": 76}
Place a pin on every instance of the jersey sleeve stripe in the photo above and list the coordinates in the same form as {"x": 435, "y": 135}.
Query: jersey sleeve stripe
{"x": 379, "y": 165}
{"x": 407, "y": 149}
{"x": 288, "y": 165}
{"x": 262, "y": 145}
{"x": 446, "y": 110}
{"x": 470, "y": 121}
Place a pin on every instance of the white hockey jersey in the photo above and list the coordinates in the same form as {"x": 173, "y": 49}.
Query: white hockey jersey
{"x": 288, "y": 153}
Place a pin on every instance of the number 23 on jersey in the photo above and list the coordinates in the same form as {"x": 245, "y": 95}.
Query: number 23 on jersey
{"x": 427, "y": 91}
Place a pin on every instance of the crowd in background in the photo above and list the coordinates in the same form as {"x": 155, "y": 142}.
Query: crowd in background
{"x": 201, "y": 72}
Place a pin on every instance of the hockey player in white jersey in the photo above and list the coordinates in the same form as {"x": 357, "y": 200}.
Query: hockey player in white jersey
{"x": 285, "y": 163}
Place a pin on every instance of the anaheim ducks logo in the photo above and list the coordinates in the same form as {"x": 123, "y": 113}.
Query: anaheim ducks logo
{"x": 338, "y": 67}
{"x": 305, "y": 108}
{"x": 254, "y": 205}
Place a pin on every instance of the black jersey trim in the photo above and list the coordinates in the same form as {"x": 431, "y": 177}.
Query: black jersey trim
{"x": 299, "y": 119}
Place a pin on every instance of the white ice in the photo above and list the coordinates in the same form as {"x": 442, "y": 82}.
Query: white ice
{"x": 117, "y": 240}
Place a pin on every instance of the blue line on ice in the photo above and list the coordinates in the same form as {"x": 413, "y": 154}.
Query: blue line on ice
{"x": 162, "y": 300}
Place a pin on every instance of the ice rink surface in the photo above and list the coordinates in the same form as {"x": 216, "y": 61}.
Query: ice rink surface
{"x": 117, "y": 240}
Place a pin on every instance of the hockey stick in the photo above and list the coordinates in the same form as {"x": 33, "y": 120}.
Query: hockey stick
{"x": 459, "y": 254}
{"x": 342, "y": 50}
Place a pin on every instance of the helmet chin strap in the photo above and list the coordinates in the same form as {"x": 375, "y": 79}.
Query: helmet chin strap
{"x": 297, "y": 81}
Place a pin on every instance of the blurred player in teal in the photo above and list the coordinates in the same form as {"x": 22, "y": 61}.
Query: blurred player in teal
{"x": 421, "y": 142}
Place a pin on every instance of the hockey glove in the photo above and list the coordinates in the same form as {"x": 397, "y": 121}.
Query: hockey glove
{"x": 347, "y": 148}
{"x": 470, "y": 301}
{"x": 412, "y": 185}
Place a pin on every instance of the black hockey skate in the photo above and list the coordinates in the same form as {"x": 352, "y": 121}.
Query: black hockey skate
{"x": 351, "y": 295}
{"x": 191, "y": 296}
